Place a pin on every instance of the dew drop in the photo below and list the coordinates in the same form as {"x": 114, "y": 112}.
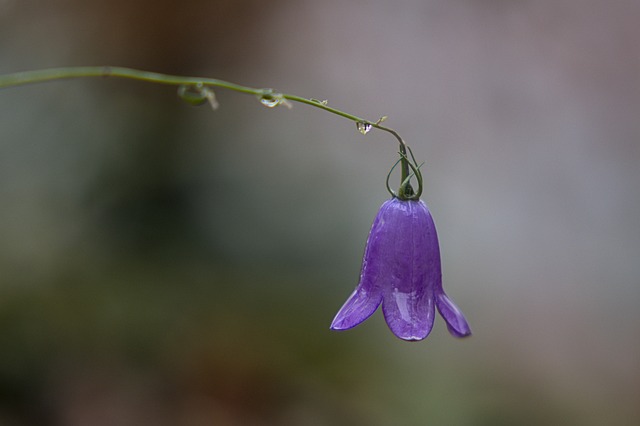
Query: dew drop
{"x": 193, "y": 94}
{"x": 271, "y": 98}
{"x": 270, "y": 101}
{"x": 363, "y": 127}
{"x": 197, "y": 94}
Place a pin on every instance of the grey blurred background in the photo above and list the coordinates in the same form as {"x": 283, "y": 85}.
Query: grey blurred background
{"x": 165, "y": 264}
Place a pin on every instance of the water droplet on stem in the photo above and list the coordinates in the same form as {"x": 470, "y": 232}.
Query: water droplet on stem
{"x": 270, "y": 103}
{"x": 363, "y": 127}
{"x": 192, "y": 94}
{"x": 271, "y": 99}
{"x": 197, "y": 94}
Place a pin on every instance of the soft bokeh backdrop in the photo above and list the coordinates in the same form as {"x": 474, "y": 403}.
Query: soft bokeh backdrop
{"x": 169, "y": 265}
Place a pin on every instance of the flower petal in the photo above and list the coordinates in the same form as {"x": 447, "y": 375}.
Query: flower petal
{"x": 412, "y": 270}
{"x": 456, "y": 322}
{"x": 410, "y": 316}
{"x": 360, "y": 306}
{"x": 368, "y": 294}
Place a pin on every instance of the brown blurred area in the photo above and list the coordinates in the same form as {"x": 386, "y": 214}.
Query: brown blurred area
{"x": 170, "y": 265}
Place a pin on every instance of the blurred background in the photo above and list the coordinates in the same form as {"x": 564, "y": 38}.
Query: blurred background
{"x": 166, "y": 264}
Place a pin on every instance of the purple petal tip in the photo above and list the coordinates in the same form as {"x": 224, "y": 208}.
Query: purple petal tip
{"x": 453, "y": 316}
{"x": 360, "y": 306}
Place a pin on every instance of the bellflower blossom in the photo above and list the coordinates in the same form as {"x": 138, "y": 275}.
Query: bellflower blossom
{"x": 401, "y": 270}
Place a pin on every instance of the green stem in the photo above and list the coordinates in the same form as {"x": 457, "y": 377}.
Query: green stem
{"x": 40, "y": 76}
{"x": 44, "y": 75}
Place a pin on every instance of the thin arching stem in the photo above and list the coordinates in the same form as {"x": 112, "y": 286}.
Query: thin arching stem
{"x": 39, "y": 76}
{"x": 50, "y": 74}
{"x": 405, "y": 169}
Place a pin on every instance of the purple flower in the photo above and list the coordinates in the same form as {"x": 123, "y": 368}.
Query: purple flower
{"x": 401, "y": 270}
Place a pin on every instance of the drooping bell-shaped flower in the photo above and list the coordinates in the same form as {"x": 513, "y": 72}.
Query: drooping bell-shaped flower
{"x": 401, "y": 270}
